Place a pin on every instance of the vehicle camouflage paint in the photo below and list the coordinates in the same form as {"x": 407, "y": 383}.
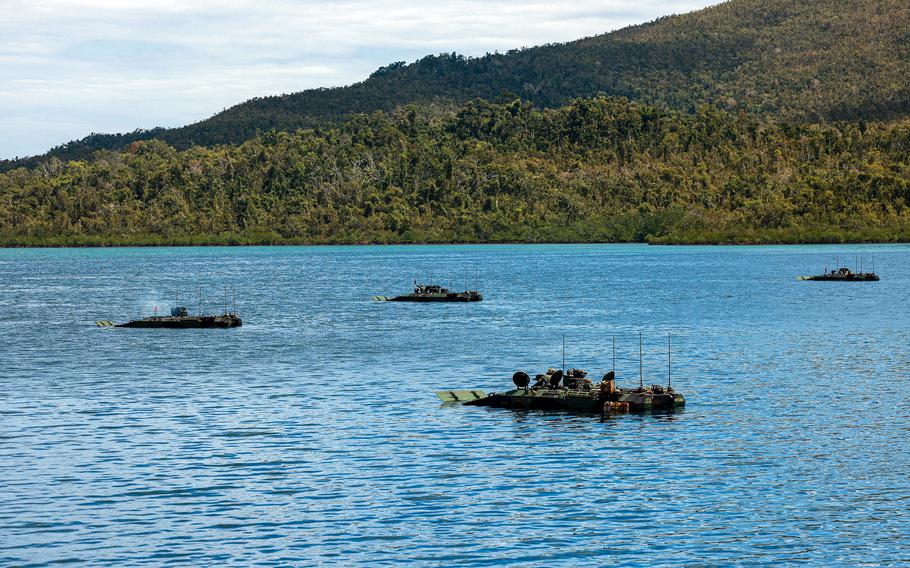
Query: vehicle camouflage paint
{"x": 571, "y": 391}
{"x": 180, "y": 319}
{"x": 433, "y": 293}
{"x": 843, "y": 275}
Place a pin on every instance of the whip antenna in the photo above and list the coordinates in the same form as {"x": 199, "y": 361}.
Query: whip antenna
{"x": 641, "y": 373}
{"x": 614, "y": 355}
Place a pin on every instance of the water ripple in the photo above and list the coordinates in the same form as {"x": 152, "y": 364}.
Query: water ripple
{"x": 311, "y": 435}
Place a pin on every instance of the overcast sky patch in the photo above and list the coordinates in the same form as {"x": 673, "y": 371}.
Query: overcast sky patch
{"x": 72, "y": 67}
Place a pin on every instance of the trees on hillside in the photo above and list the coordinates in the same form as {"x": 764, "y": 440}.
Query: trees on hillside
{"x": 597, "y": 169}
{"x": 784, "y": 61}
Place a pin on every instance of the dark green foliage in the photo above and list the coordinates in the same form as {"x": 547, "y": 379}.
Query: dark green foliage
{"x": 600, "y": 169}
{"x": 790, "y": 60}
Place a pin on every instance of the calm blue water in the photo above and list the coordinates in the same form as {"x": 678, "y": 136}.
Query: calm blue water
{"x": 311, "y": 435}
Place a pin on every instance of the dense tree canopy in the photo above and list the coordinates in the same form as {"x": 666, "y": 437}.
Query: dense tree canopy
{"x": 598, "y": 169}
{"x": 783, "y": 60}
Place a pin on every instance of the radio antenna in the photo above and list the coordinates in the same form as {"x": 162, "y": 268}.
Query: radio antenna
{"x": 563, "y": 353}
{"x": 641, "y": 373}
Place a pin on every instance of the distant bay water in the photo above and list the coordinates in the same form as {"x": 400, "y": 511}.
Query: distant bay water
{"x": 311, "y": 435}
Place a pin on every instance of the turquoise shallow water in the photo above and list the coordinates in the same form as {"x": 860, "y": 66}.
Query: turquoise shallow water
{"x": 311, "y": 435}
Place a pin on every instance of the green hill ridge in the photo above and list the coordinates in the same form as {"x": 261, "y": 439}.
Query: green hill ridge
{"x": 599, "y": 169}
{"x": 748, "y": 122}
{"x": 784, "y": 60}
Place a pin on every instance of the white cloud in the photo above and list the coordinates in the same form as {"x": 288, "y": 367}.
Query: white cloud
{"x": 71, "y": 67}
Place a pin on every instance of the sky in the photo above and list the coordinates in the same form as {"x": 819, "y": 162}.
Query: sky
{"x": 72, "y": 67}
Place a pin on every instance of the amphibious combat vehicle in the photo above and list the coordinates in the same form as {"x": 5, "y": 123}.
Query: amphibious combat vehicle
{"x": 576, "y": 393}
{"x": 572, "y": 390}
{"x": 181, "y": 319}
{"x": 433, "y": 293}
{"x": 843, "y": 275}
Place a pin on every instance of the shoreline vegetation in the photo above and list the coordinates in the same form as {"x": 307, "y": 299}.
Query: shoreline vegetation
{"x": 898, "y": 236}
{"x": 598, "y": 170}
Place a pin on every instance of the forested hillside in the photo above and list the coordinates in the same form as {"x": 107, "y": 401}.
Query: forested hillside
{"x": 601, "y": 169}
{"x": 784, "y": 60}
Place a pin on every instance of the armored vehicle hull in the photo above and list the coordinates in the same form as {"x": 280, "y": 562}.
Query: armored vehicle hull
{"x": 433, "y": 293}
{"x": 448, "y": 297}
{"x": 556, "y": 390}
{"x": 185, "y": 322}
{"x": 180, "y": 318}
{"x": 868, "y": 277}
{"x": 636, "y": 400}
{"x": 842, "y": 275}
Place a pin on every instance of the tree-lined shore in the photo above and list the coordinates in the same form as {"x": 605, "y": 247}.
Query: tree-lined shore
{"x": 597, "y": 170}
